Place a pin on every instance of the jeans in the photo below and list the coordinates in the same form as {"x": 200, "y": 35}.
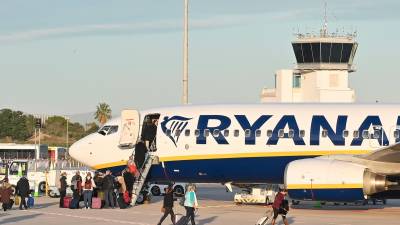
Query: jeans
{"x": 87, "y": 198}
{"x": 109, "y": 198}
{"x": 190, "y": 214}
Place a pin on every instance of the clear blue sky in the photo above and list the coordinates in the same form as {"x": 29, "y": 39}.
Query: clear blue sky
{"x": 64, "y": 57}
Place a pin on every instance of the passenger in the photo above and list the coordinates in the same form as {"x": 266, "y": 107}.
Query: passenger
{"x": 98, "y": 181}
{"x": 129, "y": 181}
{"x": 149, "y": 133}
{"x": 168, "y": 205}
{"x": 279, "y": 207}
{"x": 88, "y": 186}
{"x": 108, "y": 188}
{"x": 140, "y": 154}
{"x": 5, "y": 194}
{"x": 121, "y": 186}
{"x": 76, "y": 185}
{"x": 190, "y": 203}
{"x": 63, "y": 188}
{"x": 23, "y": 191}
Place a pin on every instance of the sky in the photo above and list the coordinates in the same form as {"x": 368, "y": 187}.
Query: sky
{"x": 64, "y": 57}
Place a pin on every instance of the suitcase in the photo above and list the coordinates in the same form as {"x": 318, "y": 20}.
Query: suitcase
{"x": 96, "y": 203}
{"x": 74, "y": 204}
{"x": 121, "y": 203}
{"x": 181, "y": 219}
{"x": 67, "y": 202}
{"x": 30, "y": 202}
{"x": 264, "y": 220}
{"x": 100, "y": 194}
{"x": 17, "y": 200}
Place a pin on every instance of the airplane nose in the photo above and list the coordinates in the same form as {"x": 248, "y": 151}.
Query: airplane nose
{"x": 73, "y": 150}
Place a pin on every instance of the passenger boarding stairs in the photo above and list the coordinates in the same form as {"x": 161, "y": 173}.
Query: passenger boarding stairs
{"x": 141, "y": 180}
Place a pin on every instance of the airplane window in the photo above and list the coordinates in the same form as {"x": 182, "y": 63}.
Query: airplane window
{"x": 365, "y": 134}
{"x": 302, "y": 133}
{"x": 345, "y": 133}
{"x": 236, "y": 133}
{"x": 291, "y": 133}
{"x": 206, "y": 132}
{"x": 281, "y": 133}
{"x": 356, "y": 134}
{"x": 269, "y": 133}
{"x": 324, "y": 133}
{"x": 104, "y": 130}
{"x": 196, "y": 133}
{"x": 112, "y": 130}
{"x": 216, "y": 132}
{"x": 396, "y": 134}
{"x": 258, "y": 133}
{"x": 377, "y": 134}
{"x": 187, "y": 132}
{"x": 226, "y": 133}
{"x": 168, "y": 132}
{"x": 178, "y": 132}
{"x": 247, "y": 133}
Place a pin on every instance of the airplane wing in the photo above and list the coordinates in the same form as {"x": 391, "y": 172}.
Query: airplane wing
{"x": 387, "y": 154}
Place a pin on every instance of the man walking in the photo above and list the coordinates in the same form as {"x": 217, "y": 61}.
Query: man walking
{"x": 63, "y": 188}
{"x": 279, "y": 207}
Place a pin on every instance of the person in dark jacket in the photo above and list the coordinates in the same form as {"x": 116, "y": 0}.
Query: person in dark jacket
{"x": 76, "y": 185}
{"x": 5, "y": 194}
{"x": 168, "y": 205}
{"x": 23, "y": 191}
{"x": 108, "y": 188}
{"x": 63, "y": 188}
{"x": 140, "y": 154}
{"x": 150, "y": 132}
{"x": 129, "y": 180}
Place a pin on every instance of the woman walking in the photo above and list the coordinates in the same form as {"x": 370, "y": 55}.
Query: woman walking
{"x": 5, "y": 194}
{"x": 168, "y": 205}
{"x": 88, "y": 185}
{"x": 190, "y": 203}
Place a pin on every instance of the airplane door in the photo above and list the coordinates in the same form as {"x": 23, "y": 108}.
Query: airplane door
{"x": 130, "y": 123}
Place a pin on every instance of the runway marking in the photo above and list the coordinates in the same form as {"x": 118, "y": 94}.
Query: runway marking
{"x": 87, "y": 217}
{"x": 216, "y": 206}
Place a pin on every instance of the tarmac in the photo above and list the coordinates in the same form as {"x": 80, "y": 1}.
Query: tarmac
{"x": 216, "y": 207}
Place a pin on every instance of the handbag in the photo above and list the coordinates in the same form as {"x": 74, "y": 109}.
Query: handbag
{"x": 17, "y": 200}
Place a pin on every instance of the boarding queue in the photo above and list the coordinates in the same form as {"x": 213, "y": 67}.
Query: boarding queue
{"x": 101, "y": 190}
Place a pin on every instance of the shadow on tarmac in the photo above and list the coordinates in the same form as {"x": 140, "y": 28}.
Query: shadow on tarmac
{"x": 208, "y": 220}
{"x": 19, "y": 218}
{"x": 45, "y": 205}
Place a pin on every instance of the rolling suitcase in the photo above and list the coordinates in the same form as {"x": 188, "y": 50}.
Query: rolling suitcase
{"x": 181, "y": 219}
{"x": 121, "y": 203}
{"x": 74, "y": 204}
{"x": 264, "y": 220}
{"x": 67, "y": 202}
{"x": 96, "y": 203}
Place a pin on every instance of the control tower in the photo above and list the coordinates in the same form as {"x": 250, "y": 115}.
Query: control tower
{"x": 324, "y": 62}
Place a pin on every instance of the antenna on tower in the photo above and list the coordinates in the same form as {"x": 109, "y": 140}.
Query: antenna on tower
{"x": 325, "y": 27}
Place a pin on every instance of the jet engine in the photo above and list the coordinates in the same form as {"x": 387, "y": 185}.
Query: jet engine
{"x": 332, "y": 180}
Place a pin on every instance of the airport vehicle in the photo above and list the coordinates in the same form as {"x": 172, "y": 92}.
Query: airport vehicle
{"x": 14, "y": 169}
{"x": 323, "y": 152}
{"x": 255, "y": 196}
{"x": 158, "y": 188}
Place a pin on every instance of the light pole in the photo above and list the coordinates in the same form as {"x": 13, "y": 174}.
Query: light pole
{"x": 67, "y": 120}
{"x": 185, "y": 96}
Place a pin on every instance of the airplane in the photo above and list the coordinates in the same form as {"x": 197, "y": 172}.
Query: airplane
{"x": 324, "y": 152}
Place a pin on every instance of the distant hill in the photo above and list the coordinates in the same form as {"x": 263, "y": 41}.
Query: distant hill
{"x": 82, "y": 118}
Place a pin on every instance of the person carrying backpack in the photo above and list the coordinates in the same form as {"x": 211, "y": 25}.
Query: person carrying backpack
{"x": 23, "y": 191}
{"x": 280, "y": 206}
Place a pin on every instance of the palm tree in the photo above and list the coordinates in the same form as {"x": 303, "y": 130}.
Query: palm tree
{"x": 103, "y": 113}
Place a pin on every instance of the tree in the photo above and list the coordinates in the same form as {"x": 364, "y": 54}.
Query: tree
{"x": 13, "y": 125}
{"x": 91, "y": 128}
{"x": 103, "y": 113}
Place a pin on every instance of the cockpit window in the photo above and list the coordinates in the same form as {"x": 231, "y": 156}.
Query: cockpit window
{"x": 107, "y": 130}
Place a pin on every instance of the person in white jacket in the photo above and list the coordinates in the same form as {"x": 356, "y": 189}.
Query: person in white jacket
{"x": 87, "y": 186}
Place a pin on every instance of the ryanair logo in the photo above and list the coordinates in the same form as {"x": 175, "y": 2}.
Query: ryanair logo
{"x": 173, "y": 127}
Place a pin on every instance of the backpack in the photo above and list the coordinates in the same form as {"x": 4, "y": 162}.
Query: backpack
{"x": 285, "y": 205}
